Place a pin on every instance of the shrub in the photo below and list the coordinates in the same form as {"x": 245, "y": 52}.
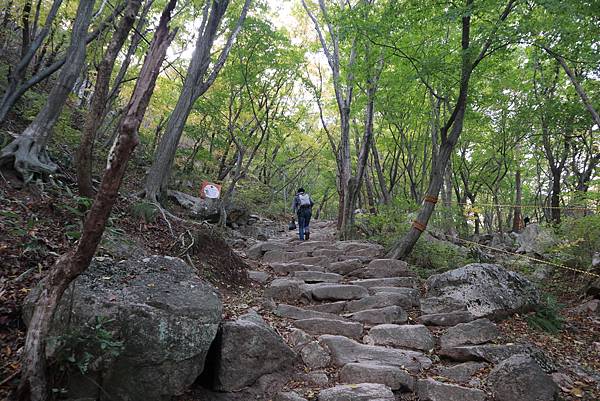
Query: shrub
{"x": 579, "y": 239}
{"x": 144, "y": 210}
{"x": 547, "y": 317}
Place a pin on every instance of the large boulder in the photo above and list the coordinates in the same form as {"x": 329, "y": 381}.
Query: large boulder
{"x": 535, "y": 239}
{"x": 487, "y": 290}
{"x": 245, "y": 350}
{"x": 164, "y": 314}
{"x": 202, "y": 209}
{"x": 521, "y": 378}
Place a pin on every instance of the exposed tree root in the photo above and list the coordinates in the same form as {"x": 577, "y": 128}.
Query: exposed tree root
{"x": 28, "y": 157}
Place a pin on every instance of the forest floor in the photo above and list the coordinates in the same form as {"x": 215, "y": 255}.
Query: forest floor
{"x": 40, "y": 223}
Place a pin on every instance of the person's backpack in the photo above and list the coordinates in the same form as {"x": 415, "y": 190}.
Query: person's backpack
{"x": 304, "y": 199}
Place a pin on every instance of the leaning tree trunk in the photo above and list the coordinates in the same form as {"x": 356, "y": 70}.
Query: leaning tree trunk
{"x": 28, "y": 152}
{"x": 33, "y": 385}
{"x": 83, "y": 157}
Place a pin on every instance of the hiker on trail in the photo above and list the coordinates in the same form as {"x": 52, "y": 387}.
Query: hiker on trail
{"x": 302, "y": 206}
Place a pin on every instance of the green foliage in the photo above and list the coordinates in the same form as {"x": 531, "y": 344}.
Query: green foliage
{"x": 580, "y": 238}
{"x": 433, "y": 256}
{"x": 547, "y": 318}
{"x": 144, "y": 210}
{"x": 86, "y": 349}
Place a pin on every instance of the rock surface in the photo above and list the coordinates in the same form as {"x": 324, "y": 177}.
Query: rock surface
{"x": 166, "y": 316}
{"x": 432, "y": 390}
{"x": 521, "y": 378}
{"x": 246, "y": 349}
{"x": 402, "y": 336}
{"x": 392, "y": 376}
{"x": 357, "y": 392}
{"x": 487, "y": 290}
{"x": 476, "y": 332}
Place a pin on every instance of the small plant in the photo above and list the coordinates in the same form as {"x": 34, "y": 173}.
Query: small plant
{"x": 88, "y": 348}
{"x": 547, "y": 318}
{"x": 145, "y": 210}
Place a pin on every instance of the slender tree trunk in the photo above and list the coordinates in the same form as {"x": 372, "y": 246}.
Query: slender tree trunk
{"x": 93, "y": 120}
{"x": 33, "y": 385}
{"x": 555, "y": 197}
{"x": 27, "y": 153}
{"x": 196, "y": 83}
{"x": 517, "y": 217}
{"x": 385, "y": 193}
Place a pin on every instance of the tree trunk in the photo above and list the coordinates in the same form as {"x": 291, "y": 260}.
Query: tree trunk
{"x": 197, "y": 82}
{"x": 385, "y": 193}
{"x": 28, "y": 153}
{"x": 33, "y": 384}
{"x": 555, "y": 197}
{"x": 84, "y": 155}
{"x": 517, "y": 217}
{"x": 18, "y": 72}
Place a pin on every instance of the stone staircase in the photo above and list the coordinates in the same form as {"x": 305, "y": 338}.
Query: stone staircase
{"x": 365, "y": 329}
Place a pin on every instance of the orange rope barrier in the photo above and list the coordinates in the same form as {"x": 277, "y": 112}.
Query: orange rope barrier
{"x": 525, "y": 206}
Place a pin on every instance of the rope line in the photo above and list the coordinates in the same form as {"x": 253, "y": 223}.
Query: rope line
{"x": 591, "y": 209}
{"x": 531, "y": 258}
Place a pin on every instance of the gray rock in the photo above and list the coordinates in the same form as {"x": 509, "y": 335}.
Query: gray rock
{"x": 329, "y": 307}
{"x": 521, "y": 378}
{"x": 328, "y": 326}
{"x": 289, "y": 396}
{"x": 293, "y": 312}
{"x": 357, "y": 392}
{"x": 388, "y": 282}
{"x": 258, "y": 276}
{"x": 431, "y": 390}
{"x": 317, "y": 277}
{"x": 166, "y": 316}
{"x": 329, "y": 253}
{"x": 381, "y": 300}
{"x": 337, "y": 292}
{"x": 247, "y": 349}
{"x": 282, "y": 256}
{"x": 287, "y": 268}
{"x": 496, "y": 353}
{"x": 201, "y": 209}
{"x": 462, "y": 372}
{"x": 382, "y": 268}
{"x": 314, "y": 260}
{"x": 435, "y": 305}
{"x": 284, "y": 289}
{"x": 310, "y": 246}
{"x": 446, "y": 319}
{"x": 344, "y": 350}
{"x": 315, "y": 356}
{"x": 407, "y": 336}
{"x": 488, "y": 290}
{"x": 410, "y": 293}
{"x": 392, "y": 376}
{"x": 345, "y": 267}
{"x": 298, "y": 339}
{"x": 535, "y": 239}
{"x": 476, "y": 332}
{"x": 317, "y": 378}
{"x": 258, "y": 250}
{"x": 389, "y": 314}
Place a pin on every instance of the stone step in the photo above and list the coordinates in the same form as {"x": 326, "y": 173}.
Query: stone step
{"x": 258, "y": 276}
{"x": 287, "y": 268}
{"x": 282, "y": 256}
{"x": 432, "y": 390}
{"x": 385, "y": 268}
{"x": 317, "y": 277}
{"x": 378, "y": 301}
{"x": 410, "y": 282}
{"x": 313, "y": 260}
{"x": 494, "y": 353}
{"x": 472, "y": 333}
{"x": 286, "y": 290}
{"x": 402, "y": 336}
{"x": 446, "y": 319}
{"x": 329, "y": 307}
{"x": 336, "y": 292}
{"x": 389, "y": 314}
{"x": 357, "y": 392}
{"x": 345, "y": 267}
{"x": 462, "y": 372}
{"x": 344, "y": 350}
{"x": 295, "y": 313}
{"x": 319, "y": 326}
{"x": 410, "y": 293}
{"x": 392, "y": 376}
